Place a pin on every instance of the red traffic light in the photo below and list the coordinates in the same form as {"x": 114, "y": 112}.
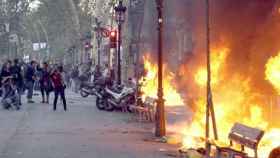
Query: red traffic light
{"x": 113, "y": 34}
{"x": 113, "y": 39}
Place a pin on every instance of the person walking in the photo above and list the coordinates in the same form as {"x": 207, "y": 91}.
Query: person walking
{"x": 30, "y": 79}
{"x": 45, "y": 83}
{"x": 59, "y": 87}
{"x": 17, "y": 78}
{"x": 75, "y": 78}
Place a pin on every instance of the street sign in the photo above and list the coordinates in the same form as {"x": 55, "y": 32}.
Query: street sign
{"x": 39, "y": 46}
{"x": 104, "y": 31}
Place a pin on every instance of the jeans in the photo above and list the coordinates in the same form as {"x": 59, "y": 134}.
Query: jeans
{"x": 59, "y": 91}
{"x": 19, "y": 91}
{"x": 29, "y": 86}
{"x": 10, "y": 97}
{"x": 6, "y": 88}
{"x": 45, "y": 91}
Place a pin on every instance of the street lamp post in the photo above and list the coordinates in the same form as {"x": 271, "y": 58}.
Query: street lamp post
{"x": 98, "y": 30}
{"x": 160, "y": 130}
{"x": 120, "y": 10}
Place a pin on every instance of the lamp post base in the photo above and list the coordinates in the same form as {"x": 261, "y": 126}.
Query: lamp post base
{"x": 160, "y": 130}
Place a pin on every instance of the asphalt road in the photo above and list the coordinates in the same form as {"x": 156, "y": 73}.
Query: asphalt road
{"x": 82, "y": 132}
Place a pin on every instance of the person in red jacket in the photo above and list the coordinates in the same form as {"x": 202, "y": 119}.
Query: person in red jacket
{"x": 59, "y": 88}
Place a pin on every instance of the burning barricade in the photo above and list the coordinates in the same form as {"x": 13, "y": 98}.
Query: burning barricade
{"x": 236, "y": 99}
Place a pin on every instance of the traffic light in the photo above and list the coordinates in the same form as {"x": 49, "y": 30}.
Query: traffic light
{"x": 113, "y": 39}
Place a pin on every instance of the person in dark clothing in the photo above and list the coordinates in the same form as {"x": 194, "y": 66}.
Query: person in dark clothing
{"x": 10, "y": 97}
{"x": 30, "y": 79}
{"x": 59, "y": 88}
{"x": 45, "y": 83}
{"x": 6, "y": 74}
{"x": 17, "y": 78}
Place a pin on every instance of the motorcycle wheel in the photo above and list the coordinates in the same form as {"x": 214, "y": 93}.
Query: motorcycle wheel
{"x": 84, "y": 94}
{"x": 131, "y": 102}
{"x": 109, "y": 107}
{"x": 129, "y": 110}
{"x": 99, "y": 104}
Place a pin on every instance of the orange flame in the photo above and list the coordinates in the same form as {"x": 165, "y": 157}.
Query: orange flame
{"x": 219, "y": 56}
{"x": 171, "y": 96}
{"x": 234, "y": 101}
{"x": 273, "y": 72}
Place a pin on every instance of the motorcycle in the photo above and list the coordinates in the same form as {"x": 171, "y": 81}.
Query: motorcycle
{"x": 120, "y": 97}
{"x": 87, "y": 88}
{"x": 101, "y": 95}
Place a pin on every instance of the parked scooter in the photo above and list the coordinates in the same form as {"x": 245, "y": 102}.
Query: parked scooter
{"x": 87, "y": 88}
{"x": 100, "y": 101}
{"x": 120, "y": 97}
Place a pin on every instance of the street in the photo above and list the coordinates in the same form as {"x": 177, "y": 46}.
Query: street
{"x": 200, "y": 78}
{"x": 81, "y": 132}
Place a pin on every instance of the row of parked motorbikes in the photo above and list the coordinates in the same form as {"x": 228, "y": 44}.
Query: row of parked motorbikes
{"x": 109, "y": 96}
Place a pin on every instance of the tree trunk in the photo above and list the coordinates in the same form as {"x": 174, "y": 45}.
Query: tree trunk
{"x": 76, "y": 23}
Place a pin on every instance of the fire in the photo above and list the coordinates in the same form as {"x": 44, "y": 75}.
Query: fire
{"x": 273, "y": 72}
{"x": 234, "y": 101}
{"x": 233, "y": 96}
{"x": 218, "y": 60}
{"x": 171, "y": 96}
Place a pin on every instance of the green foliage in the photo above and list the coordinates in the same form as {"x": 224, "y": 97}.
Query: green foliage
{"x": 57, "y": 18}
